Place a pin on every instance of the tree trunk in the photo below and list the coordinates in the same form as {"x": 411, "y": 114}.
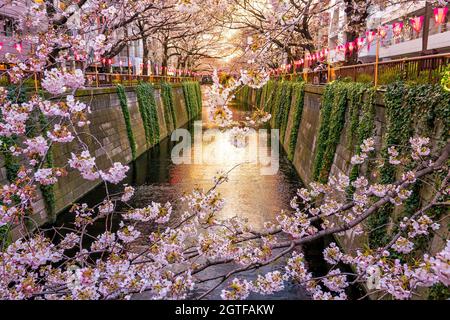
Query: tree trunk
{"x": 165, "y": 59}
{"x": 146, "y": 57}
{"x": 351, "y": 58}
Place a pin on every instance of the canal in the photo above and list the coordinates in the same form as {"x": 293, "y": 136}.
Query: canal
{"x": 248, "y": 194}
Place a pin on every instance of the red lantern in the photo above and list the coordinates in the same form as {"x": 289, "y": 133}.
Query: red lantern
{"x": 439, "y": 15}
{"x": 1, "y": 45}
{"x": 397, "y": 28}
{"x": 417, "y": 23}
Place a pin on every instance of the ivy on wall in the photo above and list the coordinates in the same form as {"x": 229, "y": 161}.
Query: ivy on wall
{"x": 298, "y": 91}
{"x": 147, "y": 108}
{"x": 48, "y": 191}
{"x": 198, "y": 92}
{"x": 411, "y": 109}
{"x": 325, "y": 113}
{"x": 126, "y": 115}
{"x": 269, "y": 99}
{"x": 277, "y": 98}
{"x": 414, "y": 109}
{"x": 336, "y": 125}
{"x": 11, "y": 164}
{"x": 362, "y": 120}
{"x": 192, "y": 98}
{"x": 285, "y": 106}
{"x": 169, "y": 109}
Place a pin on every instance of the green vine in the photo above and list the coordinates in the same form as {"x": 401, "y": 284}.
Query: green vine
{"x": 169, "y": 109}
{"x": 277, "y": 100}
{"x": 362, "y": 121}
{"x": 126, "y": 115}
{"x": 285, "y": 109}
{"x": 414, "y": 109}
{"x": 324, "y": 129}
{"x": 439, "y": 292}
{"x": 192, "y": 98}
{"x": 198, "y": 92}
{"x": 336, "y": 125}
{"x": 298, "y": 90}
{"x": 48, "y": 191}
{"x": 147, "y": 108}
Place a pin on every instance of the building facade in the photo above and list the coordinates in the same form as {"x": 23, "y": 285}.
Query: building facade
{"x": 407, "y": 42}
{"x": 12, "y": 41}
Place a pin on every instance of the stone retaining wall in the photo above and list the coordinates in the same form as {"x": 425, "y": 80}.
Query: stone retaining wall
{"x": 107, "y": 139}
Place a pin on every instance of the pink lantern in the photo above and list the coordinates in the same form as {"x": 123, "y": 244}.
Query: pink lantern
{"x": 417, "y": 23}
{"x": 351, "y": 46}
{"x": 18, "y": 47}
{"x": 370, "y": 36}
{"x": 440, "y": 14}
{"x": 382, "y": 31}
{"x": 397, "y": 28}
{"x": 1, "y": 45}
{"x": 360, "y": 43}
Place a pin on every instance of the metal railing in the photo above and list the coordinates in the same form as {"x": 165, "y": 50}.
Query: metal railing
{"x": 424, "y": 68}
{"x": 110, "y": 79}
{"x": 93, "y": 79}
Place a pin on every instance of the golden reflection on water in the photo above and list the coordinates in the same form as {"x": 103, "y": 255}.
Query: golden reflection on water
{"x": 248, "y": 194}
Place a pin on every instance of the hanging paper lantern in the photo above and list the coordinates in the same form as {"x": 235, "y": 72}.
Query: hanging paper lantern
{"x": 321, "y": 54}
{"x": 351, "y": 46}
{"x": 1, "y": 45}
{"x": 417, "y": 23}
{"x": 382, "y": 31}
{"x": 439, "y": 15}
{"x": 370, "y": 36}
{"x": 397, "y": 28}
{"x": 18, "y": 47}
{"x": 360, "y": 43}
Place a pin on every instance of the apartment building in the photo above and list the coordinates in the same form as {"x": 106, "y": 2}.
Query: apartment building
{"x": 12, "y": 41}
{"x": 406, "y": 42}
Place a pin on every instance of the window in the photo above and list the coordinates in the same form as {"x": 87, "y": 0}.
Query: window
{"x": 7, "y": 26}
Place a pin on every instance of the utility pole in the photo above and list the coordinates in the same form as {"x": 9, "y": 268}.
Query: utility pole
{"x": 426, "y": 27}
